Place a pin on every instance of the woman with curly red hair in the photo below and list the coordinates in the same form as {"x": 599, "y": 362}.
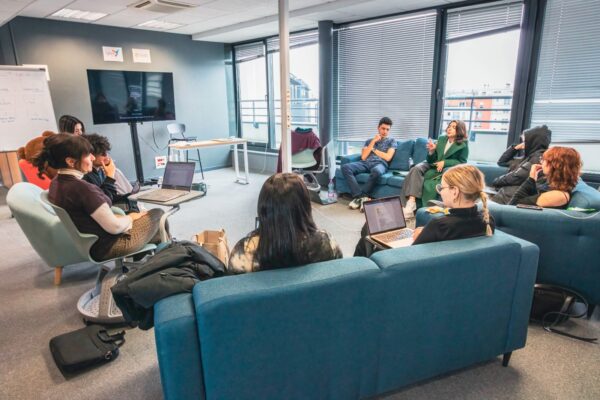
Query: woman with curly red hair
{"x": 561, "y": 167}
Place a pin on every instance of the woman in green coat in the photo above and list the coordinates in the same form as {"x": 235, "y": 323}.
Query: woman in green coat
{"x": 451, "y": 149}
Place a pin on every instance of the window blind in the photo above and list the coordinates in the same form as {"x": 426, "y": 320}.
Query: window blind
{"x": 469, "y": 21}
{"x": 384, "y": 68}
{"x": 567, "y": 88}
{"x": 249, "y": 51}
{"x": 296, "y": 40}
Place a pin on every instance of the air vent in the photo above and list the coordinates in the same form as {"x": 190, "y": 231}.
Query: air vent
{"x": 161, "y": 6}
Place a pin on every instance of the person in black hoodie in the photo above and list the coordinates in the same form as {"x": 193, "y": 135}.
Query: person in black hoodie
{"x": 535, "y": 142}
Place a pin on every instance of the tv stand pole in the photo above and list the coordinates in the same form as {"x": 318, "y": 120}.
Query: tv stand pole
{"x": 137, "y": 155}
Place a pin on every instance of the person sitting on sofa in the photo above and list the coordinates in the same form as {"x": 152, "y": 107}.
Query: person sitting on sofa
{"x": 70, "y": 124}
{"x": 460, "y": 188}
{"x": 535, "y": 142}
{"x": 374, "y": 159}
{"x": 286, "y": 235}
{"x": 551, "y": 183}
{"x": 88, "y": 206}
{"x": 103, "y": 173}
{"x": 451, "y": 149}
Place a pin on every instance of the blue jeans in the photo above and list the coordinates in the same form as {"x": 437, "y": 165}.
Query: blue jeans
{"x": 350, "y": 170}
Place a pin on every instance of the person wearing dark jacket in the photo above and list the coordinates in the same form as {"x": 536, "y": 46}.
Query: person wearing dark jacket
{"x": 536, "y": 141}
{"x": 103, "y": 173}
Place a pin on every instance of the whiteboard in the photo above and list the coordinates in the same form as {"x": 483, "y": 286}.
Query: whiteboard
{"x": 25, "y": 106}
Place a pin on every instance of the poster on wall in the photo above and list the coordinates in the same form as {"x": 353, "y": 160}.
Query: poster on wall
{"x": 141, "y": 56}
{"x": 112, "y": 53}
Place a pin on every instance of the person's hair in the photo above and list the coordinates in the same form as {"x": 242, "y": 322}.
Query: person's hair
{"x": 285, "y": 220}
{"x": 564, "y": 164}
{"x": 100, "y": 143}
{"x": 66, "y": 124}
{"x": 470, "y": 182}
{"x": 461, "y": 130}
{"x": 385, "y": 120}
{"x": 60, "y": 146}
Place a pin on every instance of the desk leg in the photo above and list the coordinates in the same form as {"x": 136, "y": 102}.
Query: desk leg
{"x": 238, "y": 178}
{"x": 164, "y": 237}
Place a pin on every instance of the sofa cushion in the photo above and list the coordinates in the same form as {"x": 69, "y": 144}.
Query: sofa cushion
{"x": 584, "y": 196}
{"x": 420, "y": 150}
{"x": 401, "y": 159}
{"x": 363, "y": 178}
{"x": 396, "y": 181}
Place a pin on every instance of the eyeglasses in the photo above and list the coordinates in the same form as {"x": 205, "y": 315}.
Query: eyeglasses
{"x": 439, "y": 188}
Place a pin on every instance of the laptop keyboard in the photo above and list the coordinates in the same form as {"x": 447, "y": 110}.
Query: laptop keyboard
{"x": 394, "y": 235}
{"x": 163, "y": 195}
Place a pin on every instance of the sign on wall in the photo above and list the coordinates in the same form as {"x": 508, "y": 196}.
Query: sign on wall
{"x": 141, "y": 56}
{"x": 112, "y": 53}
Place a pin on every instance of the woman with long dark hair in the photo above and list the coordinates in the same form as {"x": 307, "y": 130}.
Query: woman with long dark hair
{"x": 86, "y": 204}
{"x": 550, "y": 183}
{"x": 71, "y": 124}
{"x": 286, "y": 235}
{"x": 451, "y": 149}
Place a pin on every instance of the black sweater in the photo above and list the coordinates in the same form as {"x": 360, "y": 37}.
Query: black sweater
{"x": 460, "y": 223}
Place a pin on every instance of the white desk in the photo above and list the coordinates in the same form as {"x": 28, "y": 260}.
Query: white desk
{"x": 182, "y": 147}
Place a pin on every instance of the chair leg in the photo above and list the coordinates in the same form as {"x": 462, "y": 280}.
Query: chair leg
{"x": 200, "y": 162}
{"x": 57, "y": 275}
{"x": 506, "y": 359}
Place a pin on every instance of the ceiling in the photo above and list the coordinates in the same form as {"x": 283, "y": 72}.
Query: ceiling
{"x": 226, "y": 21}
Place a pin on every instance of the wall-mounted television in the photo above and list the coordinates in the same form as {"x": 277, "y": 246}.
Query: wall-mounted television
{"x": 125, "y": 96}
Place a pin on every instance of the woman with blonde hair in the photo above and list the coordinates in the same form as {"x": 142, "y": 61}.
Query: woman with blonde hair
{"x": 461, "y": 187}
{"x": 550, "y": 183}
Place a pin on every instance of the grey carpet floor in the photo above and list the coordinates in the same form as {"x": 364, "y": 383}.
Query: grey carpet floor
{"x": 33, "y": 310}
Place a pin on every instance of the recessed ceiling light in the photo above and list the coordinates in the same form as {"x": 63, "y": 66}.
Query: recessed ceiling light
{"x": 78, "y": 14}
{"x": 154, "y": 24}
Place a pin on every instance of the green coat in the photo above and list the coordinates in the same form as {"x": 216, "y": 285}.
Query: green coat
{"x": 456, "y": 154}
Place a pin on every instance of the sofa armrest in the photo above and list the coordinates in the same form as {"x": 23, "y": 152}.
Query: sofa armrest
{"x": 349, "y": 158}
{"x": 178, "y": 348}
{"x": 490, "y": 171}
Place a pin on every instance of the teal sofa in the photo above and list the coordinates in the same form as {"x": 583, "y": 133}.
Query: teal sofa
{"x": 349, "y": 328}
{"x": 408, "y": 153}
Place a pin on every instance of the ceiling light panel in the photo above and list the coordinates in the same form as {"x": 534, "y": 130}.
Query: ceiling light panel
{"x": 81, "y": 15}
{"x": 159, "y": 25}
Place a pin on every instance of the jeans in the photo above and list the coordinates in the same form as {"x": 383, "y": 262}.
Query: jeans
{"x": 350, "y": 170}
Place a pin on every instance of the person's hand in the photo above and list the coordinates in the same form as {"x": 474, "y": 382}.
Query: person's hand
{"x": 417, "y": 232}
{"x": 376, "y": 139}
{"x": 535, "y": 170}
{"x": 440, "y": 165}
{"x": 137, "y": 215}
{"x": 431, "y": 146}
{"x": 109, "y": 168}
{"x": 520, "y": 146}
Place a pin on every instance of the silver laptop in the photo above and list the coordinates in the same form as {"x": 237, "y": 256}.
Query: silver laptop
{"x": 386, "y": 222}
{"x": 177, "y": 182}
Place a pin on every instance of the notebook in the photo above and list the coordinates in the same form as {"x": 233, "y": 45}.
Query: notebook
{"x": 177, "y": 182}
{"x": 386, "y": 222}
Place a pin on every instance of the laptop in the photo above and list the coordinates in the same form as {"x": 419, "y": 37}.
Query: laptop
{"x": 386, "y": 222}
{"x": 177, "y": 182}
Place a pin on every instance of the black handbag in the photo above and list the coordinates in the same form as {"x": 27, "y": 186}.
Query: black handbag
{"x": 84, "y": 348}
{"x": 554, "y": 305}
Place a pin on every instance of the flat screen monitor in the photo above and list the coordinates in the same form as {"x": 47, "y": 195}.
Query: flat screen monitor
{"x": 125, "y": 96}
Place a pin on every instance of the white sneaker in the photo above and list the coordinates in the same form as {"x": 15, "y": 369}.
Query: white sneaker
{"x": 409, "y": 210}
{"x": 355, "y": 203}
{"x": 362, "y": 201}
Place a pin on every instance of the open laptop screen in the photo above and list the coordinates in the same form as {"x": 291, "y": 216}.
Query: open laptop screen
{"x": 384, "y": 215}
{"x": 178, "y": 175}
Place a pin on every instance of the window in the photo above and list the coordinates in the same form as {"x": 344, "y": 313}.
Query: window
{"x": 481, "y": 60}
{"x": 304, "y": 81}
{"x": 252, "y": 91}
{"x": 383, "y": 68}
{"x": 567, "y": 87}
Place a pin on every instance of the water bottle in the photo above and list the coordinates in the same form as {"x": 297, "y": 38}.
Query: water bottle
{"x": 331, "y": 195}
